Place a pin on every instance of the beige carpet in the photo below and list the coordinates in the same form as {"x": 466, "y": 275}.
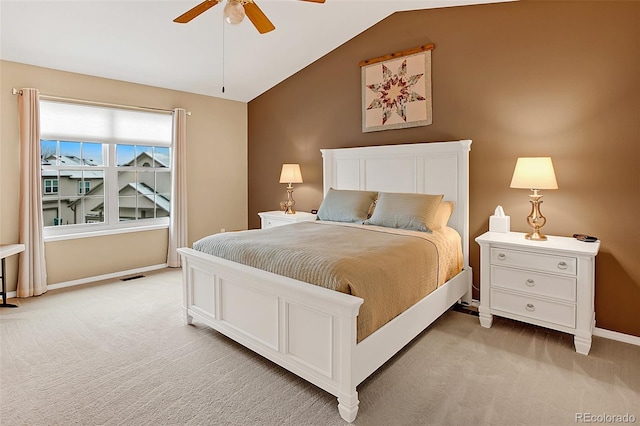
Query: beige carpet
{"x": 117, "y": 353}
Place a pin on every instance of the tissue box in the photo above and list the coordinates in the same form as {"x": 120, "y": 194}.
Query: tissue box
{"x": 499, "y": 223}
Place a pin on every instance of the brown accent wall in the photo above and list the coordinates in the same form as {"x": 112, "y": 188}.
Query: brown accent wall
{"x": 555, "y": 79}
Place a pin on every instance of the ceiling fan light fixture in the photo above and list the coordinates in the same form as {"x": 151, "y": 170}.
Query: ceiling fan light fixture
{"x": 233, "y": 12}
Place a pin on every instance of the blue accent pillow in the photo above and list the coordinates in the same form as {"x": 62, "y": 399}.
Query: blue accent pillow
{"x": 405, "y": 211}
{"x": 341, "y": 205}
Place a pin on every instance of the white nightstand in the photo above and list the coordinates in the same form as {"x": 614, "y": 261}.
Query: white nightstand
{"x": 547, "y": 283}
{"x": 279, "y": 218}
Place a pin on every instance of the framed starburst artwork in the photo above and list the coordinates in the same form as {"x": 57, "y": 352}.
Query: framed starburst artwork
{"x": 396, "y": 90}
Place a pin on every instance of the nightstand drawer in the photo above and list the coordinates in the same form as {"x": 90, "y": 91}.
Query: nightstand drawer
{"x": 279, "y": 218}
{"x": 270, "y": 223}
{"x": 534, "y": 283}
{"x": 531, "y": 307}
{"x": 527, "y": 260}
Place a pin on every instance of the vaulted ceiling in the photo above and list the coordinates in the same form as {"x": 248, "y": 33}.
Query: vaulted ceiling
{"x": 137, "y": 40}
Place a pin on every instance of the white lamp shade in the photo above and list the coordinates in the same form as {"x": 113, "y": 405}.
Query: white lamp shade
{"x": 290, "y": 174}
{"x": 534, "y": 173}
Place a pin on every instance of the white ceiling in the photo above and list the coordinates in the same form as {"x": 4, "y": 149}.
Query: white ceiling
{"x": 136, "y": 40}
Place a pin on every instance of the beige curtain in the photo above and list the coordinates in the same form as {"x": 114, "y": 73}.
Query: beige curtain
{"x": 178, "y": 218}
{"x": 32, "y": 270}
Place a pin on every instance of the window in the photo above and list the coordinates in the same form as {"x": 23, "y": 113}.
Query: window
{"x": 103, "y": 168}
{"x": 50, "y": 186}
{"x": 77, "y": 166}
{"x": 84, "y": 186}
{"x": 145, "y": 181}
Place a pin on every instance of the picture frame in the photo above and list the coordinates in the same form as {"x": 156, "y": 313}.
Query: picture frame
{"x": 396, "y": 90}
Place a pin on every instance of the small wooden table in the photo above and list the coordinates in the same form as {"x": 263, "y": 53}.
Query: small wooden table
{"x": 7, "y": 250}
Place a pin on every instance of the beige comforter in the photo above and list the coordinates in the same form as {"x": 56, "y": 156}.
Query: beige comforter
{"x": 391, "y": 269}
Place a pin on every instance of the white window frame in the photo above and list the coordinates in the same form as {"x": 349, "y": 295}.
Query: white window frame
{"x": 84, "y": 186}
{"x": 112, "y": 224}
{"x": 51, "y": 192}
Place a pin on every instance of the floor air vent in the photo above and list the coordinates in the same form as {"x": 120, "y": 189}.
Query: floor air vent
{"x": 132, "y": 277}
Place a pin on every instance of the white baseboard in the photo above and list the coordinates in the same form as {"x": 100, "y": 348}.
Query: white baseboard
{"x": 105, "y": 277}
{"x": 614, "y": 335}
{"x": 13, "y": 294}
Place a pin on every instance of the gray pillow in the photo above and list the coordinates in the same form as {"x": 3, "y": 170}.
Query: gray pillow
{"x": 405, "y": 211}
{"x": 341, "y": 205}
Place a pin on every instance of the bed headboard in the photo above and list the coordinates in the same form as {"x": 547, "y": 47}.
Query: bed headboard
{"x": 427, "y": 168}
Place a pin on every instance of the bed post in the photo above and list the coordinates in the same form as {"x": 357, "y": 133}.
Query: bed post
{"x": 186, "y": 318}
{"x": 463, "y": 188}
{"x": 327, "y": 170}
{"x": 348, "y": 396}
{"x": 348, "y": 406}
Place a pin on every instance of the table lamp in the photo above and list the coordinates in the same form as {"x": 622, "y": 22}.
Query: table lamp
{"x": 290, "y": 174}
{"x": 534, "y": 173}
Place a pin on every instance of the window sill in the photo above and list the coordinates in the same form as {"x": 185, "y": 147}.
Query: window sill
{"x": 101, "y": 232}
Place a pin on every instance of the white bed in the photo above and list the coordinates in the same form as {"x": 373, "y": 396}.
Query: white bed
{"x": 310, "y": 330}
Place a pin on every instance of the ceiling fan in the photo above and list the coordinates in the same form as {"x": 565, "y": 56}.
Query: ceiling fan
{"x": 234, "y": 12}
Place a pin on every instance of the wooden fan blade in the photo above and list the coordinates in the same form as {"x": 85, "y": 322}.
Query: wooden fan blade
{"x": 315, "y": 1}
{"x": 192, "y": 13}
{"x": 258, "y": 18}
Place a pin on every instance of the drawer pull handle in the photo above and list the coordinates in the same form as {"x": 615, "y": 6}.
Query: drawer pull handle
{"x": 530, "y": 282}
{"x": 502, "y": 256}
{"x": 562, "y": 265}
{"x": 530, "y": 307}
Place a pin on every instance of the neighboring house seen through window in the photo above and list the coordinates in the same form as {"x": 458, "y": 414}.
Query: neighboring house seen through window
{"x": 112, "y": 170}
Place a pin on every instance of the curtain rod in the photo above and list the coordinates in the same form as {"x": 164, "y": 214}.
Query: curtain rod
{"x": 95, "y": 103}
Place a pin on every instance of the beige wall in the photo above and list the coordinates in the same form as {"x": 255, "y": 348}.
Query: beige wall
{"x": 217, "y": 172}
{"x": 519, "y": 79}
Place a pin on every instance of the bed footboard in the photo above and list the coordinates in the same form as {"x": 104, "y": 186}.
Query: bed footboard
{"x": 309, "y": 330}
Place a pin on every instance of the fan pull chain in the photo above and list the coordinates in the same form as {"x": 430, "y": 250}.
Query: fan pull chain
{"x": 223, "y": 25}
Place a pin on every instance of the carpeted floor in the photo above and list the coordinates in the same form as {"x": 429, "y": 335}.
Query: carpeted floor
{"x": 117, "y": 353}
